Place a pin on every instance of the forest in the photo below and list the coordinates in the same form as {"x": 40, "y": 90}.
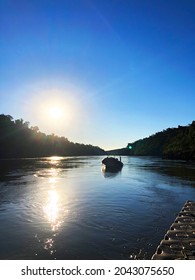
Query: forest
{"x": 172, "y": 143}
{"x": 17, "y": 139}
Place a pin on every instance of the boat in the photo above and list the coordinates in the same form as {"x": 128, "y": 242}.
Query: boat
{"x": 112, "y": 164}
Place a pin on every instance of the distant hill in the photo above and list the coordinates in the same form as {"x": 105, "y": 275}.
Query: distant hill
{"x": 172, "y": 143}
{"x": 18, "y": 140}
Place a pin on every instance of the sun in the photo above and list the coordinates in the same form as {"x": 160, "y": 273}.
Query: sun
{"x": 55, "y": 112}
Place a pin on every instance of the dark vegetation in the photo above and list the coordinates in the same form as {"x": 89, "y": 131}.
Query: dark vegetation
{"x": 172, "y": 143}
{"x": 17, "y": 139}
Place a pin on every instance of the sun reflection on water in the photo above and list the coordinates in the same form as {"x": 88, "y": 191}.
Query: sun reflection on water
{"x": 55, "y": 216}
{"x": 53, "y": 209}
{"x": 55, "y": 160}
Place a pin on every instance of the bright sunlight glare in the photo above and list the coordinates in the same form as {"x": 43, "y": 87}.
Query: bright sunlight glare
{"x": 55, "y": 112}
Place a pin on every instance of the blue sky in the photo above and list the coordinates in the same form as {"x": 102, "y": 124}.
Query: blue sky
{"x": 119, "y": 70}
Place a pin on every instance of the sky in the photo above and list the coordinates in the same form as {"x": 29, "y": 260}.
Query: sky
{"x": 100, "y": 72}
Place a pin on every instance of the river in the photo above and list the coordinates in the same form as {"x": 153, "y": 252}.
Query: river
{"x": 67, "y": 208}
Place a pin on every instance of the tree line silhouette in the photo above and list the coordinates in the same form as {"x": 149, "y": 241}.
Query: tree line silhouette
{"x": 172, "y": 143}
{"x": 17, "y": 139}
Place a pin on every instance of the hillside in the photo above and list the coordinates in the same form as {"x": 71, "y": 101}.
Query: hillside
{"x": 18, "y": 140}
{"x": 172, "y": 143}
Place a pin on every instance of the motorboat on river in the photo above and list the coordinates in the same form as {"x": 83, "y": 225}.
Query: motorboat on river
{"x": 112, "y": 164}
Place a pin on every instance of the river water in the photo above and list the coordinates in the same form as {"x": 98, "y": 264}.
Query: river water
{"x": 67, "y": 208}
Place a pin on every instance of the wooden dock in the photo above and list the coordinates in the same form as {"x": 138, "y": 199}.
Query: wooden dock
{"x": 179, "y": 241}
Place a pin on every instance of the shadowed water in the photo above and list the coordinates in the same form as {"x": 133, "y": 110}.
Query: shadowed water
{"x": 67, "y": 208}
